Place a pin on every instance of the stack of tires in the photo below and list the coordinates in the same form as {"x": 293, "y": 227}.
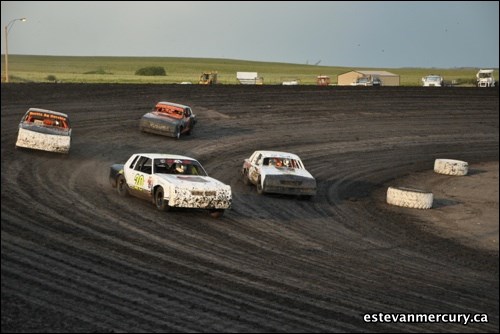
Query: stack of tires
{"x": 422, "y": 199}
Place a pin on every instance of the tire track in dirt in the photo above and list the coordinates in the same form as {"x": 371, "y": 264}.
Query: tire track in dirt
{"x": 71, "y": 246}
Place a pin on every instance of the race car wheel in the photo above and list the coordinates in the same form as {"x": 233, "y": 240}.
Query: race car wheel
{"x": 216, "y": 213}
{"x": 121, "y": 186}
{"x": 160, "y": 202}
{"x": 451, "y": 167}
{"x": 178, "y": 132}
{"x": 260, "y": 189}
{"x": 246, "y": 180}
{"x": 409, "y": 197}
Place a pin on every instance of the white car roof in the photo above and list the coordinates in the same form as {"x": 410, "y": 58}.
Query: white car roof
{"x": 278, "y": 154}
{"x": 165, "y": 156}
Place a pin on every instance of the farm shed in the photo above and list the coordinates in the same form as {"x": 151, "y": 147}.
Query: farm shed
{"x": 387, "y": 78}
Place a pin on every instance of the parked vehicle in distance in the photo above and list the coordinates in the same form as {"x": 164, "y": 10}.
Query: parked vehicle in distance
{"x": 294, "y": 82}
{"x": 322, "y": 80}
{"x": 168, "y": 119}
{"x": 208, "y": 78}
{"x": 362, "y": 81}
{"x": 433, "y": 80}
{"x": 485, "y": 78}
{"x": 45, "y": 130}
{"x": 278, "y": 172}
{"x": 170, "y": 181}
{"x": 376, "y": 82}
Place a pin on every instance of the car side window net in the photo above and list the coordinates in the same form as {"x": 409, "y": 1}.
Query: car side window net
{"x": 144, "y": 165}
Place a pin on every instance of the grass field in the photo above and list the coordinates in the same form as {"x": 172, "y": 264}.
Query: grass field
{"x": 122, "y": 70}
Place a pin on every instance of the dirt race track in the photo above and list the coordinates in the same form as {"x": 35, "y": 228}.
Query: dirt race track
{"x": 77, "y": 257}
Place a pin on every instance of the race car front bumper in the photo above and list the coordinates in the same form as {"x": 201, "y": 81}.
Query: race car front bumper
{"x": 202, "y": 199}
{"x": 290, "y": 185}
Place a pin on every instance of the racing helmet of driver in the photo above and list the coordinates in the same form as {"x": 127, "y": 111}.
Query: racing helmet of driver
{"x": 180, "y": 168}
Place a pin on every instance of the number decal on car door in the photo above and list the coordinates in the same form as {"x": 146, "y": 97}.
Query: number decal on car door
{"x": 139, "y": 180}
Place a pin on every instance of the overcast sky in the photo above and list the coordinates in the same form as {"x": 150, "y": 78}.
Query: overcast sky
{"x": 352, "y": 34}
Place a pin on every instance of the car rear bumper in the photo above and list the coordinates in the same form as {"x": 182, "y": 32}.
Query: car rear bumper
{"x": 159, "y": 127}
{"x": 43, "y": 141}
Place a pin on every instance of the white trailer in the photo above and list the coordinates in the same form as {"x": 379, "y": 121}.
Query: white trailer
{"x": 249, "y": 78}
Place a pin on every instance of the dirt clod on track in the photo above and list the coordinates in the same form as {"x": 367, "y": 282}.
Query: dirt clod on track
{"x": 76, "y": 257}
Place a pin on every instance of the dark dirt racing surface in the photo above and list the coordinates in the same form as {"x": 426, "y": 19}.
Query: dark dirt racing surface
{"x": 77, "y": 257}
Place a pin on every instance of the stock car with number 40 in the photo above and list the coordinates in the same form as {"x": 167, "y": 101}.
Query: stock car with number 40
{"x": 171, "y": 181}
{"x": 278, "y": 172}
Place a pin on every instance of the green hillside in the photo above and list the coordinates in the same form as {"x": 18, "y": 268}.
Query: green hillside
{"x": 122, "y": 70}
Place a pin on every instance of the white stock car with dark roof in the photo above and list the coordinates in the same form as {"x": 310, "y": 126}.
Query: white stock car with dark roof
{"x": 169, "y": 181}
{"x": 278, "y": 172}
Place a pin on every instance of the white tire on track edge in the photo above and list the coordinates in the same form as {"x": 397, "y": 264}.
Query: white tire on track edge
{"x": 451, "y": 167}
{"x": 409, "y": 197}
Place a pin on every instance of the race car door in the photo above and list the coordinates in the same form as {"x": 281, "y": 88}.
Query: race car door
{"x": 141, "y": 178}
{"x": 254, "y": 170}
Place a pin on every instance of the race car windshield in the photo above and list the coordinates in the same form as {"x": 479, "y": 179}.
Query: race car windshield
{"x": 47, "y": 119}
{"x": 281, "y": 162}
{"x": 168, "y": 110}
{"x": 177, "y": 166}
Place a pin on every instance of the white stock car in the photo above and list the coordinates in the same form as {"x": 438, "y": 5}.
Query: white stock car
{"x": 433, "y": 81}
{"x": 171, "y": 181}
{"x": 278, "y": 172}
{"x": 46, "y": 130}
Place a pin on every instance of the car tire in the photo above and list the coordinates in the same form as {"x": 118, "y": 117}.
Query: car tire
{"x": 121, "y": 186}
{"x": 451, "y": 167}
{"x": 409, "y": 197}
{"x": 246, "y": 180}
{"x": 216, "y": 213}
{"x": 160, "y": 202}
{"x": 260, "y": 188}
{"x": 178, "y": 132}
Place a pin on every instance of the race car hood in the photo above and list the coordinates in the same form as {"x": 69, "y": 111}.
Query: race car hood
{"x": 272, "y": 170}
{"x": 193, "y": 181}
